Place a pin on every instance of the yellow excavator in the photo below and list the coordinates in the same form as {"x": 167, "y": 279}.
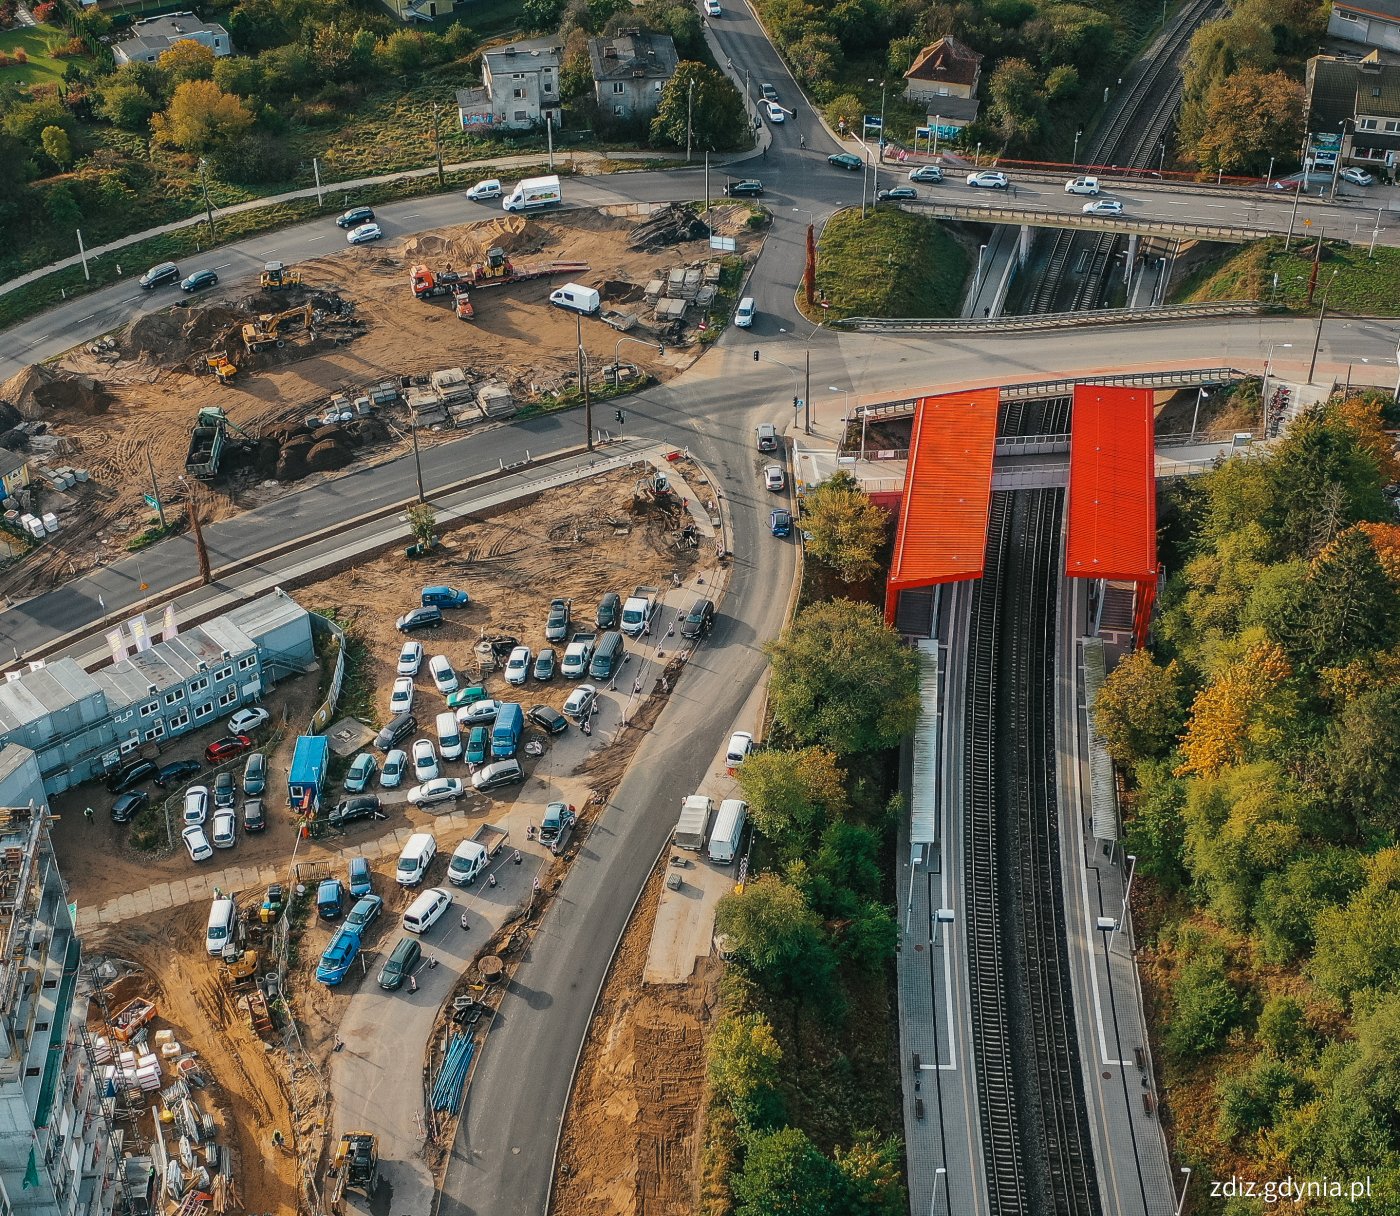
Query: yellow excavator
{"x": 267, "y": 329}
{"x": 276, "y": 277}
{"x": 356, "y": 1164}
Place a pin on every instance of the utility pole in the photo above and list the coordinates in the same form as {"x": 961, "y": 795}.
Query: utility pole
{"x": 316, "y": 170}
{"x": 437, "y": 142}
{"x": 82, "y": 253}
{"x": 1297, "y": 198}
{"x": 155, "y": 488}
{"x": 1317, "y": 339}
{"x": 200, "y": 552}
{"x": 204, "y": 186}
{"x": 707, "y": 184}
{"x": 417, "y": 463}
{"x": 689, "y": 112}
{"x": 807, "y": 389}
{"x": 583, "y": 383}
{"x": 549, "y": 134}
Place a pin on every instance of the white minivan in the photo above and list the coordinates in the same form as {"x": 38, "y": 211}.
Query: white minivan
{"x": 415, "y": 859}
{"x": 423, "y": 912}
{"x": 743, "y": 316}
{"x": 490, "y": 188}
{"x": 223, "y": 916}
{"x": 449, "y": 737}
{"x": 577, "y": 298}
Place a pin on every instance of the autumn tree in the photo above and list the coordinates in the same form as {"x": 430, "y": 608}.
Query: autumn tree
{"x": 1228, "y": 707}
{"x": 186, "y": 60}
{"x": 702, "y": 102}
{"x": 1141, "y": 707}
{"x": 201, "y": 115}
{"x": 790, "y": 793}
{"x": 1017, "y": 109}
{"x": 1358, "y": 945}
{"x": 422, "y": 522}
{"x": 874, "y": 1174}
{"x": 1250, "y": 119}
{"x": 1366, "y": 418}
{"x": 847, "y": 530}
{"x": 57, "y": 146}
{"x": 743, "y": 1067}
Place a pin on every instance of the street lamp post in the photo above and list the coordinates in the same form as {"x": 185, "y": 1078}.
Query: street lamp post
{"x": 933, "y": 1199}
{"x": 977, "y": 278}
{"x": 583, "y": 384}
{"x": 1317, "y": 338}
{"x": 881, "y": 144}
{"x": 1201, "y": 395}
{"x": 1268, "y": 363}
{"x": 1185, "y": 1186}
{"x": 1074, "y": 156}
{"x": 1269, "y": 177}
{"x": 204, "y": 188}
{"x": 1123, "y": 910}
{"x": 846, "y": 405}
{"x": 760, "y": 357}
{"x": 977, "y": 159}
{"x": 1161, "y": 156}
{"x": 1397, "y": 371}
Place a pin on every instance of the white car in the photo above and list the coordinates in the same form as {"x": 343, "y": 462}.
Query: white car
{"x": 1103, "y": 206}
{"x": 740, "y": 745}
{"x": 775, "y": 112}
{"x": 580, "y": 701}
{"x": 437, "y": 902}
{"x": 410, "y": 658}
{"x": 518, "y": 665}
{"x": 245, "y": 721}
{"x": 401, "y": 699}
{"x": 443, "y": 675}
{"x": 774, "y": 478}
{"x": 364, "y": 234}
{"x": 197, "y": 843}
{"x": 490, "y": 188}
{"x": 712, "y": 8}
{"x": 439, "y": 789}
{"x": 394, "y": 765}
{"x": 1356, "y": 176}
{"x": 425, "y": 761}
{"x": 1082, "y": 185}
{"x": 224, "y": 822}
{"x": 989, "y": 179}
{"x": 196, "y": 805}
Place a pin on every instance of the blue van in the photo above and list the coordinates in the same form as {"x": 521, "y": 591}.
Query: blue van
{"x": 330, "y": 895}
{"x": 444, "y": 597}
{"x": 505, "y": 734}
{"x": 360, "y": 881}
{"x": 335, "y": 962}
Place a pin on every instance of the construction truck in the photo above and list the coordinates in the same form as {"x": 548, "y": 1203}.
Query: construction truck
{"x": 355, "y": 1164}
{"x": 462, "y": 304}
{"x": 208, "y": 442}
{"x": 427, "y": 282}
{"x": 220, "y": 365}
{"x": 276, "y": 277}
{"x": 267, "y": 329}
{"x": 498, "y": 269}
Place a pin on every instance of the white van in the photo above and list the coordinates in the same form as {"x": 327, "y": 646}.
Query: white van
{"x": 424, "y": 911}
{"x": 577, "y": 297}
{"x": 729, "y": 827}
{"x": 223, "y": 916}
{"x": 415, "y": 859}
{"x": 490, "y": 188}
{"x": 743, "y": 315}
{"x": 449, "y": 737}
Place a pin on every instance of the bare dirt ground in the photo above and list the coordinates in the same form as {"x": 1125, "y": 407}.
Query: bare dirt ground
{"x": 109, "y": 409}
{"x": 632, "y": 1130}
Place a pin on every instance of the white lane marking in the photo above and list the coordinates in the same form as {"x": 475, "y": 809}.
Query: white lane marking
{"x": 89, "y": 317}
{"x": 222, "y": 266}
{"x": 412, "y": 215}
{"x": 1215, "y": 206}
{"x": 315, "y": 238}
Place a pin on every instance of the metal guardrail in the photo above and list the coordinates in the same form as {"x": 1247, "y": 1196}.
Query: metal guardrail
{"x": 1090, "y": 223}
{"x": 1052, "y": 320}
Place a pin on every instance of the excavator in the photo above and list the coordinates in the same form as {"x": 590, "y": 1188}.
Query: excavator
{"x": 276, "y": 277}
{"x": 267, "y": 329}
{"x": 355, "y": 1164}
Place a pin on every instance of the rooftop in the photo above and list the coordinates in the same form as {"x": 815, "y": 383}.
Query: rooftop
{"x": 946, "y": 60}
{"x": 261, "y": 616}
{"x": 165, "y": 664}
{"x": 171, "y": 27}
{"x": 527, "y": 55}
{"x": 42, "y": 691}
{"x": 1343, "y": 88}
{"x": 11, "y": 462}
{"x": 631, "y": 53}
{"x": 1389, "y": 9}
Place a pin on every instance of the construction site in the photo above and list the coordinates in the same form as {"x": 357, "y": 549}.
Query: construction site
{"x": 346, "y": 358}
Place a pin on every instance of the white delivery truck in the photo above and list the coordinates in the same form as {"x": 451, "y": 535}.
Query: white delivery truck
{"x": 576, "y": 297}
{"x": 692, "y": 825}
{"x": 534, "y": 192}
{"x": 729, "y": 827}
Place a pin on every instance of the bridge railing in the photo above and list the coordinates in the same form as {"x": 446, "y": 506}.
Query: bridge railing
{"x": 1052, "y": 320}
{"x": 1036, "y": 217}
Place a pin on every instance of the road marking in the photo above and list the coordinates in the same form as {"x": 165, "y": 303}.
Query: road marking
{"x": 412, "y": 215}
{"x": 89, "y": 317}
{"x": 315, "y": 238}
{"x": 223, "y": 266}
{"x": 1216, "y": 206}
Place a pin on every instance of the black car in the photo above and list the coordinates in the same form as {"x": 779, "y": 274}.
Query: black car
{"x": 128, "y": 806}
{"x": 254, "y": 817}
{"x": 750, "y": 187}
{"x": 176, "y": 771}
{"x": 609, "y": 611}
{"x": 897, "y": 194}
{"x": 199, "y": 280}
{"x": 225, "y": 792}
{"x": 365, "y": 806}
{"x": 355, "y": 217}
{"x": 419, "y": 618}
{"x": 551, "y": 719}
{"x": 131, "y": 776}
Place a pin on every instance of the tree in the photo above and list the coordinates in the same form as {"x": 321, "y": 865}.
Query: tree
{"x": 422, "y": 522}
{"x": 1141, "y": 708}
{"x": 1253, "y": 1100}
{"x": 62, "y": 207}
{"x": 778, "y": 938}
{"x": 847, "y": 530}
{"x": 791, "y": 792}
{"x": 57, "y": 146}
{"x": 1366, "y": 419}
{"x": 785, "y": 1174}
{"x": 1206, "y": 1008}
{"x": 841, "y": 678}
{"x": 186, "y": 60}
{"x": 1283, "y": 1028}
{"x": 26, "y": 120}
{"x": 1017, "y": 109}
{"x": 1251, "y": 118}
{"x": 714, "y": 110}
{"x": 1289, "y": 901}
{"x": 541, "y": 16}
{"x": 1226, "y": 709}
{"x": 1154, "y": 831}
{"x": 1361, "y": 757}
{"x": 128, "y": 105}
{"x": 873, "y": 1170}
{"x": 1358, "y": 946}
{"x": 743, "y": 1066}
{"x": 846, "y": 109}
{"x": 902, "y": 53}
{"x": 201, "y": 115}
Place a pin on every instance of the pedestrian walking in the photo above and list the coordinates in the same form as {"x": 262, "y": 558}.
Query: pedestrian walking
{"x": 515, "y": 857}
{"x": 637, "y": 688}
{"x": 801, "y": 141}
{"x": 87, "y": 813}
{"x": 586, "y": 726}
{"x": 491, "y": 880}
{"x": 529, "y": 835}
{"x": 413, "y": 983}
{"x": 987, "y": 312}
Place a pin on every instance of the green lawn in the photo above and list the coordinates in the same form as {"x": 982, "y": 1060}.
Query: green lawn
{"x": 40, "y": 69}
{"x": 890, "y": 264}
{"x": 1368, "y": 284}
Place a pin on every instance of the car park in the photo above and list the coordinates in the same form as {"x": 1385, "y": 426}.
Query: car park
{"x": 355, "y": 217}
{"x": 774, "y": 478}
{"x": 158, "y": 275}
{"x": 410, "y": 659}
{"x": 749, "y": 187}
{"x": 926, "y": 173}
{"x": 767, "y": 437}
{"x": 227, "y": 748}
{"x": 254, "y": 817}
{"x": 551, "y": 719}
{"x": 360, "y": 773}
{"x": 780, "y": 522}
{"x": 402, "y": 963}
{"x": 133, "y": 775}
{"x": 395, "y": 763}
{"x": 545, "y": 664}
{"x": 1356, "y": 176}
{"x": 767, "y": 92}
{"x": 440, "y": 668}
{"x": 478, "y": 744}
{"x": 481, "y": 711}
{"x": 439, "y": 789}
{"x": 225, "y": 791}
{"x": 255, "y": 774}
{"x": 744, "y": 314}
{"x": 580, "y": 701}
{"x": 419, "y": 618}
{"x": 177, "y": 770}
{"x": 898, "y": 194}
{"x": 556, "y": 624}
{"x": 485, "y": 190}
{"x": 248, "y": 720}
{"x": 199, "y": 280}
{"x": 224, "y": 825}
{"x": 128, "y": 806}
{"x": 425, "y": 760}
{"x": 845, "y": 160}
{"x": 348, "y": 810}
{"x": 364, "y": 234}
{"x": 1082, "y": 185}
{"x": 196, "y": 806}
{"x": 401, "y": 695}
{"x": 398, "y": 729}
{"x": 502, "y": 772}
{"x": 196, "y": 843}
{"x": 988, "y": 179}
{"x": 363, "y": 914}
{"x": 1103, "y": 206}
{"x": 774, "y": 112}
{"x": 517, "y": 669}
{"x": 740, "y": 745}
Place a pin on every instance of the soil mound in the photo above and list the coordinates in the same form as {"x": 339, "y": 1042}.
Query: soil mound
{"x": 174, "y": 335}
{"x": 38, "y": 392}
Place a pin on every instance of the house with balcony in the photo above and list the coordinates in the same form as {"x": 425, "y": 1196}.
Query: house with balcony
{"x": 149, "y": 38}
{"x": 1353, "y": 113}
{"x": 419, "y": 10}
{"x": 944, "y": 79}
{"x": 630, "y": 70}
{"x": 1374, "y": 23}
{"x": 519, "y": 89}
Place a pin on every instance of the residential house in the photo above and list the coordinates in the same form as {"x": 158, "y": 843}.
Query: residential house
{"x": 151, "y": 37}
{"x": 1371, "y": 23}
{"x": 14, "y": 472}
{"x": 629, "y": 71}
{"x": 519, "y": 90}
{"x": 419, "y": 10}
{"x": 1353, "y": 112}
{"x": 944, "y": 78}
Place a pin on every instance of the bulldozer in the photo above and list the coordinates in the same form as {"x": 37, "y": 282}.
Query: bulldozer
{"x": 267, "y": 329}
{"x": 220, "y": 365}
{"x": 276, "y": 277}
{"x": 355, "y": 1164}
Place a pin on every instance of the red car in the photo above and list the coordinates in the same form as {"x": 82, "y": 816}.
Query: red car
{"x": 227, "y": 748}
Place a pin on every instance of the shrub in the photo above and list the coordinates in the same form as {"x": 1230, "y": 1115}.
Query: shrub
{"x": 45, "y": 12}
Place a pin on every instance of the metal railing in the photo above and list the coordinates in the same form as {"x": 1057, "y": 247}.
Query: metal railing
{"x": 1052, "y": 320}
{"x": 1089, "y": 223}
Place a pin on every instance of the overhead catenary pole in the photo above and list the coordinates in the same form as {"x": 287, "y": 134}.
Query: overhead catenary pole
{"x": 583, "y": 383}
{"x": 1293, "y": 215}
{"x": 155, "y": 488}
{"x": 417, "y": 462}
{"x": 707, "y": 184}
{"x": 1317, "y": 338}
{"x": 82, "y": 253}
{"x": 437, "y": 142}
{"x": 316, "y": 171}
{"x": 549, "y": 134}
{"x": 689, "y": 114}
{"x": 204, "y": 187}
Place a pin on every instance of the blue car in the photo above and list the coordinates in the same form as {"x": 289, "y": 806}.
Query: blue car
{"x": 199, "y": 280}
{"x": 361, "y": 882}
{"x": 362, "y": 915}
{"x": 780, "y": 522}
{"x": 335, "y": 962}
{"x": 444, "y": 597}
{"x": 361, "y": 773}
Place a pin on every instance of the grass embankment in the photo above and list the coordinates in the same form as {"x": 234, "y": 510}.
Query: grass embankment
{"x": 890, "y": 264}
{"x": 1367, "y": 284}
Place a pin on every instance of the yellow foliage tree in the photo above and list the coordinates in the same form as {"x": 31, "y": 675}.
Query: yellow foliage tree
{"x": 1226, "y": 709}
{"x": 1385, "y": 540}
{"x": 1364, "y": 417}
{"x": 187, "y": 60}
{"x": 201, "y": 115}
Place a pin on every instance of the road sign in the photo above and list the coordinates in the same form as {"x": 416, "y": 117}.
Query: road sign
{"x": 152, "y": 501}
